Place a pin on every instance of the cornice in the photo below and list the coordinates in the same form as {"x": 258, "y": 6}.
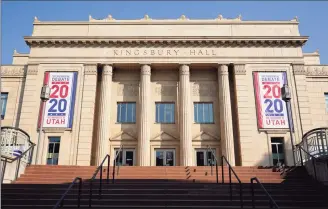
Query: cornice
{"x": 182, "y": 20}
{"x": 224, "y": 41}
{"x": 13, "y": 70}
{"x": 317, "y": 71}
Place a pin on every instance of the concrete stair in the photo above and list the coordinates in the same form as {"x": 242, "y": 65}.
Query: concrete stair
{"x": 158, "y": 187}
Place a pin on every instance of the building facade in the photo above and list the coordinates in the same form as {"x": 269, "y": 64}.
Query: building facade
{"x": 165, "y": 90}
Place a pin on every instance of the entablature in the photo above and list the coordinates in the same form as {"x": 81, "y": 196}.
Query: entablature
{"x": 264, "y": 41}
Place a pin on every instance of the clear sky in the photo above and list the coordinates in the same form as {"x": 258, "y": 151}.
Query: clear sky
{"x": 17, "y": 17}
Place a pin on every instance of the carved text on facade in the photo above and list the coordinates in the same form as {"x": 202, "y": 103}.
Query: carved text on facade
{"x": 166, "y": 90}
{"x": 10, "y": 71}
{"x": 127, "y": 90}
{"x": 317, "y": 71}
{"x": 203, "y": 90}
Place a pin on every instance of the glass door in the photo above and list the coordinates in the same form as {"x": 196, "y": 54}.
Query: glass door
{"x": 125, "y": 158}
{"x": 205, "y": 157}
{"x": 53, "y": 151}
{"x": 278, "y": 155}
{"x": 165, "y": 157}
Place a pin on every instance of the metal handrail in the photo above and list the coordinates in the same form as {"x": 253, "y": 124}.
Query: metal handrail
{"x": 114, "y": 166}
{"x": 30, "y": 149}
{"x": 100, "y": 167}
{"x": 223, "y": 158}
{"x": 271, "y": 200}
{"x": 216, "y": 163}
{"x": 60, "y": 202}
{"x": 314, "y": 160}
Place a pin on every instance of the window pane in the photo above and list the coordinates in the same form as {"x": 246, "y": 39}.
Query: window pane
{"x": 326, "y": 99}
{"x": 126, "y": 112}
{"x": 4, "y": 98}
{"x": 203, "y": 112}
{"x": 164, "y": 112}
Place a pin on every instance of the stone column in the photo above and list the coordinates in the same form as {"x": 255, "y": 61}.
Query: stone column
{"x": 145, "y": 108}
{"x": 227, "y": 140}
{"x": 185, "y": 117}
{"x": 104, "y": 112}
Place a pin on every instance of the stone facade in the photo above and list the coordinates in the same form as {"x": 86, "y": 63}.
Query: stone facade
{"x": 179, "y": 61}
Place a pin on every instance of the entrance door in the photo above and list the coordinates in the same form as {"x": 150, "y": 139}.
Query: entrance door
{"x": 125, "y": 158}
{"x": 205, "y": 157}
{"x": 277, "y": 147}
{"x": 53, "y": 151}
{"x": 165, "y": 157}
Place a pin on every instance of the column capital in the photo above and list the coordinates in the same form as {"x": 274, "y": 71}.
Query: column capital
{"x": 184, "y": 69}
{"x": 32, "y": 69}
{"x": 108, "y": 70}
{"x": 90, "y": 69}
{"x": 239, "y": 69}
{"x": 145, "y": 70}
{"x": 223, "y": 69}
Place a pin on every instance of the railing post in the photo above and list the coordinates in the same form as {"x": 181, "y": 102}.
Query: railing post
{"x": 241, "y": 195}
{"x": 211, "y": 163}
{"x": 230, "y": 184}
{"x": 31, "y": 155}
{"x": 79, "y": 195}
{"x": 301, "y": 156}
{"x": 222, "y": 170}
{"x": 108, "y": 164}
{"x": 100, "y": 181}
{"x": 90, "y": 196}
{"x": 217, "y": 172}
{"x": 314, "y": 168}
{"x": 113, "y": 179}
{"x": 252, "y": 191}
{"x": 3, "y": 170}
{"x": 17, "y": 168}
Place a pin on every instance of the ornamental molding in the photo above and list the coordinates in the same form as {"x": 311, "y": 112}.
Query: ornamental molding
{"x": 299, "y": 70}
{"x": 202, "y": 89}
{"x": 165, "y": 41}
{"x": 317, "y": 71}
{"x": 240, "y": 69}
{"x": 90, "y": 69}
{"x": 166, "y": 90}
{"x": 128, "y": 90}
{"x": 13, "y": 71}
{"x": 32, "y": 69}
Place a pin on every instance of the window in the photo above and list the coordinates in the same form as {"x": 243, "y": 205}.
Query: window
{"x": 326, "y": 98}
{"x": 53, "y": 151}
{"x": 277, "y": 148}
{"x": 126, "y": 112}
{"x": 4, "y": 98}
{"x": 164, "y": 112}
{"x": 203, "y": 112}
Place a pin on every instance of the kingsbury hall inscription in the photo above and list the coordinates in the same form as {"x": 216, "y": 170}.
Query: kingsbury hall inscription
{"x": 163, "y": 52}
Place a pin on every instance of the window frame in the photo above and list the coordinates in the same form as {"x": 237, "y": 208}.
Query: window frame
{"x": 174, "y": 109}
{"x": 326, "y": 100}
{"x": 134, "y": 112}
{"x": 213, "y": 119}
{"x": 4, "y": 107}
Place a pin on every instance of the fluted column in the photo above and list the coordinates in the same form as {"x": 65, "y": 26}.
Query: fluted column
{"x": 227, "y": 141}
{"x": 185, "y": 117}
{"x": 145, "y": 108}
{"x": 104, "y": 112}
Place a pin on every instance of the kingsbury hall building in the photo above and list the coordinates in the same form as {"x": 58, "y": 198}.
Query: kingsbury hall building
{"x": 166, "y": 90}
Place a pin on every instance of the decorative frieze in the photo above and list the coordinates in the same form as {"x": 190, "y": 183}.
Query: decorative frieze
{"x": 32, "y": 69}
{"x": 12, "y": 71}
{"x": 128, "y": 90}
{"x": 299, "y": 70}
{"x": 90, "y": 69}
{"x": 200, "y": 89}
{"x": 166, "y": 90}
{"x": 317, "y": 70}
{"x": 240, "y": 69}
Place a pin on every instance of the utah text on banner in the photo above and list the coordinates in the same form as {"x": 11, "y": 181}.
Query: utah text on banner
{"x": 271, "y": 109}
{"x": 59, "y": 109}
